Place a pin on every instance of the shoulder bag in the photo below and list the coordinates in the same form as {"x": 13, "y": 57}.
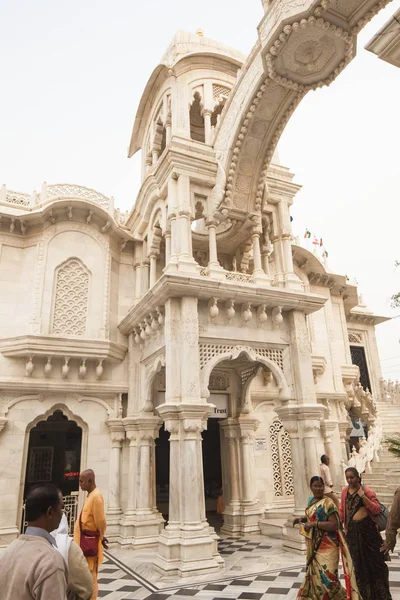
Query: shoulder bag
{"x": 89, "y": 540}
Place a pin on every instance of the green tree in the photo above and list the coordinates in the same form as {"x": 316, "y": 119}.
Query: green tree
{"x": 395, "y": 299}
{"x": 394, "y": 444}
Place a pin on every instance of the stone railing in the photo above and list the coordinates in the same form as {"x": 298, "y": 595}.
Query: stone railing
{"x": 15, "y": 198}
{"x": 390, "y": 391}
{"x": 56, "y": 191}
{"x": 229, "y": 275}
{"x": 67, "y": 190}
{"x": 239, "y": 277}
{"x": 368, "y": 449}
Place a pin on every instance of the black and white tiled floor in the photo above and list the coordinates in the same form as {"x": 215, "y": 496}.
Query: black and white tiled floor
{"x": 117, "y": 581}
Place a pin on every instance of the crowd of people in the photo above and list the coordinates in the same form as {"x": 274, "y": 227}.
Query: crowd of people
{"x": 45, "y": 562}
{"x": 350, "y": 529}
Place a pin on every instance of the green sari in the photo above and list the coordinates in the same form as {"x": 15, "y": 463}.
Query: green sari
{"x": 321, "y": 581}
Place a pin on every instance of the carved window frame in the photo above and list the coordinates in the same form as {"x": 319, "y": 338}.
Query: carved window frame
{"x": 54, "y": 296}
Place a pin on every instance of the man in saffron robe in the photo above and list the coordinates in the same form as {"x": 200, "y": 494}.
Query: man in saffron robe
{"x": 92, "y": 518}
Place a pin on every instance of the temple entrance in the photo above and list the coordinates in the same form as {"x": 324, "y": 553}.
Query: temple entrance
{"x": 212, "y": 470}
{"x": 162, "y": 472}
{"x": 54, "y": 454}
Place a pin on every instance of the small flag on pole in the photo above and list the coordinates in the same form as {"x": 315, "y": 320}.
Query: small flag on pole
{"x": 321, "y": 242}
{"x": 307, "y": 234}
{"x": 315, "y": 241}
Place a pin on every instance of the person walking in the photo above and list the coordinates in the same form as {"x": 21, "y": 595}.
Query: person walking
{"x": 31, "y": 567}
{"x": 327, "y": 477}
{"x": 358, "y": 505}
{"x": 90, "y": 528}
{"x": 393, "y": 525}
{"x": 325, "y": 541}
{"x": 80, "y": 582}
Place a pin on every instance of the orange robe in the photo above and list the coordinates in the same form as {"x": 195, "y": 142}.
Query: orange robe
{"x": 93, "y": 519}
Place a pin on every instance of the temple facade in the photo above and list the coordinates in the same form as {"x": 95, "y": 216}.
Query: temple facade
{"x": 191, "y": 347}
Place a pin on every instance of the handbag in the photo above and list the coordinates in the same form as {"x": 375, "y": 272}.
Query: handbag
{"x": 89, "y": 540}
{"x": 381, "y": 518}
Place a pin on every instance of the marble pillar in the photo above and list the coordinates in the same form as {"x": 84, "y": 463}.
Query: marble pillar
{"x": 303, "y": 425}
{"x": 207, "y": 126}
{"x": 117, "y": 434}
{"x": 153, "y": 269}
{"x": 242, "y": 509}
{"x": 214, "y": 268}
{"x": 141, "y": 523}
{"x": 186, "y": 546}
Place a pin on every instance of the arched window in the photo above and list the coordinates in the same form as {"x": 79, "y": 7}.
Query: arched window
{"x": 71, "y": 298}
{"x": 197, "y": 131}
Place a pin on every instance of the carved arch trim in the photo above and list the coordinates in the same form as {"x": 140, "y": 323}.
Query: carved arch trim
{"x": 232, "y": 352}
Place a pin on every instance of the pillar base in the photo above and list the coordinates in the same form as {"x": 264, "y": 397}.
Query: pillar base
{"x": 292, "y": 281}
{"x": 187, "y": 265}
{"x": 262, "y": 279}
{"x": 113, "y": 524}
{"x": 216, "y": 272}
{"x": 292, "y": 540}
{"x": 187, "y": 553}
{"x": 170, "y": 267}
{"x": 141, "y": 531}
{"x": 242, "y": 520}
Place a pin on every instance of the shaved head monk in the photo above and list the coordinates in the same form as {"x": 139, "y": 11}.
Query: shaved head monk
{"x": 91, "y": 526}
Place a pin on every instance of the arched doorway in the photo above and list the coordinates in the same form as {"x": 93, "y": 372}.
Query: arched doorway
{"x": 54, "y": 455}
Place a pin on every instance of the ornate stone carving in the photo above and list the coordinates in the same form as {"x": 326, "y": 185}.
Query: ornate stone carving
{"x": 282, "y": 464}
{"x": 208, "y": 351}
{"x": 219, "y": 381}
{"x": 71, "y": 299}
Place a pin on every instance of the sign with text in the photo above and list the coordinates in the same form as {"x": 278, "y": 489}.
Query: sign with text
{"x": 260, "y": 444}
{"x": 221, "y": 405}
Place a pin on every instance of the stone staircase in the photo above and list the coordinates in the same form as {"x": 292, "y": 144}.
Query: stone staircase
{"x": 385, "y": 476}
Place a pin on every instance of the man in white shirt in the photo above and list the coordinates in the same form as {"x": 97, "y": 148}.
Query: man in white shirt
{"x": 327, "y": 477}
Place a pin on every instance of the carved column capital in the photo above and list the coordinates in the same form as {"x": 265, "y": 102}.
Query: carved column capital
{"x": 117, "y": 431}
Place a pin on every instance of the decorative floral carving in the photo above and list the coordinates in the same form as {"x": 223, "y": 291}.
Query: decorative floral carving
{"x": 219, "y": 381}
{"x": 71, "y": 299}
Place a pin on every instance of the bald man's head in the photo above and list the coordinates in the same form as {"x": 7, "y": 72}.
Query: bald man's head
{"x": 87, "y": 480}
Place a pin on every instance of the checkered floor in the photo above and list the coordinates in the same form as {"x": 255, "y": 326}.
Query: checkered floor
{"x": 118, "y": 582}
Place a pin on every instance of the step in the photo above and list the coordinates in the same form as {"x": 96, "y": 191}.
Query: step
{"x": 273, "y": 528}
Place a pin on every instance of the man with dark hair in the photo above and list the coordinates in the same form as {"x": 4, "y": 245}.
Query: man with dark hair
{"x": 31, "y": 567}
{"x": 327, "y": 478}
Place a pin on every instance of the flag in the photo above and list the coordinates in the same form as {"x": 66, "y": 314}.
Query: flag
{"x": 325, "y": 254}
{"x": 320, "y": 242}
{"x": 291, "y": 218}
{"x": 307, "y": 234}
{"x": 315, "y": 241}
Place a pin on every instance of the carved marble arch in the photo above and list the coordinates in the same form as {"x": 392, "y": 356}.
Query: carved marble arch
{"x": 149, "y": 374}
{"x": 65, "y": 411}
{"x": 302, "y": 45}
{"x": 258, "y": 359}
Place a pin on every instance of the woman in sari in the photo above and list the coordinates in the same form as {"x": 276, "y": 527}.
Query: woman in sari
{"x": 358, "y": 505}
{"x": 326, "y": 541}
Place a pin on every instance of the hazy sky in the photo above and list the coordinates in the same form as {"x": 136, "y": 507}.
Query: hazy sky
{"x": 72, "y": 74}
